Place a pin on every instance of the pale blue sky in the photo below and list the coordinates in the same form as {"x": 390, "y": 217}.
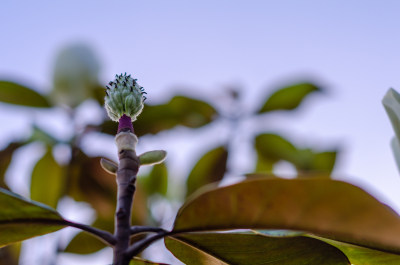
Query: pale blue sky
{"x": 351, "y": 47}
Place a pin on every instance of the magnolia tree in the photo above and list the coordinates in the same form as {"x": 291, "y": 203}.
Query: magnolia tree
{"x": 310, "y": 219}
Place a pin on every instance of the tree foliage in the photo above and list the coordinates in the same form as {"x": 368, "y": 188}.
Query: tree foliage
{"x": 311, "y": 219}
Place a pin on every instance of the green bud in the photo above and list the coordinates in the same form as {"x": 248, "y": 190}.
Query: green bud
{"x": 152, "y": 157}
{"x": 109, "y": 166}
{"x": 124, "y": 96}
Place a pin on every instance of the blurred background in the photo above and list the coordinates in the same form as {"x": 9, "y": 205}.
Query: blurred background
{"x": 209, "y": 68}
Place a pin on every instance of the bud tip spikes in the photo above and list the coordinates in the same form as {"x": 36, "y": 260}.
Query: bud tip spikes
{"x": 124, "y": 100}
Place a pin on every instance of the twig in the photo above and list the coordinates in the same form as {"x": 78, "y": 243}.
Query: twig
{"x": 143, "y": 229}
{"x": 138, "y": 247}
{"x": 103, "y": 235}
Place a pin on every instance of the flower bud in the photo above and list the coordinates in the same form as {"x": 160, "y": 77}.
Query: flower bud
{"x": 124, "y": 96}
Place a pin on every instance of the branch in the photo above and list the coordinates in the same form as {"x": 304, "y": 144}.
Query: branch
{"x": 142, "y": 229}
{"x": 138, "y": 247}
{"x": 103, "y": 235}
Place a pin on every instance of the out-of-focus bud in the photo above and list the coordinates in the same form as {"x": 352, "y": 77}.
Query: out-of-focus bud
{"x": 75, "y": 75}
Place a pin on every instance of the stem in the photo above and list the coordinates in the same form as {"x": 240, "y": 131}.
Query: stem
{"x": 125, "y": 124}
{"x": 139, "y": 246}
{"x": 126, "y": 177}
{"x": 104, "y": 235}
{"x": 142, "y": 229}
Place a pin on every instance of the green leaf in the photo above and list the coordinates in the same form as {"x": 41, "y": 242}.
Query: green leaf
{"x": 156, "y": 181}
{"x": 84, "y": 243}
{"x": 20, "y": 95}
{"x": 244, "y": 248}
{"x": 21, "y": 219}
{"x": 9, "y": 255}
{"x": 288, "y": 98}
{"x": 323, "y": 207}
{"x": 140, "y": 261}
{"x": 48, "y": 180}
{"x": 180, "y": 110}
{"x": 274, "y": 148}
{"x": 364, "y": 256}
{"x": 391, "y": 102}
{"x": 315, "y": 162}
{"x": 5, "y": 159}
{"x": 210, "y": 168}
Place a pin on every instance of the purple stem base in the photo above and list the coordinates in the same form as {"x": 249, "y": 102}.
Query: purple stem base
{"x": 125, "y": 124}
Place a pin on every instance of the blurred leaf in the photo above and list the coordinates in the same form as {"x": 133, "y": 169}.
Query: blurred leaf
{"x": 19, "y": 95}
{"x": 180, "y": 110}
{"x": 21, "y": 219}
{"x": 288, "y": 98}
{"x": 5, "y": 159}
{"x": 244, "y": 248}
{"x": 364, "y": 256}
{"x": 156, "y": 181}
{"x": 273, "y": 147}
{"x": 391, "y": 102}
{"x": 140, "y": 261}
{"x": 312, "y": 162}
{"x": 395, "y": 144}
{"x": 47, "y": 181}
{"x": 42, "y": 136}
{"x": 75, "y": 75}
{"x": 9, "y": 255}
{"x": 210, "y": 168}
{"x": 264, "y": 165}
{"x": 84, "y": 243}
{"x": 99, "y": 94}
{"x": 323, "y": 207}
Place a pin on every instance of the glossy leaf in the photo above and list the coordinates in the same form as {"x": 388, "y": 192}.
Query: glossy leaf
{"x": 21, "y": 219}
{"x": 244, "y": 248}
{"x": 323, "y": 207}
{"x": 156, "y": 181}
{"x": 180, "y": 110}
{"x": 288, "y": 98}
{"x": 5, "y": 159}
{"x": 140, "y": 261}
{"x": 364, "y": 256}
{"x": 47, "y": 181}
{"x": 13, "y": 93}
{"x": 210, "y": 168}
{"x": 9, "y": 255}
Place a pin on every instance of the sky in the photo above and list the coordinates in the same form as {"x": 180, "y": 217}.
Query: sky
{"x": 198, "y": 48}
